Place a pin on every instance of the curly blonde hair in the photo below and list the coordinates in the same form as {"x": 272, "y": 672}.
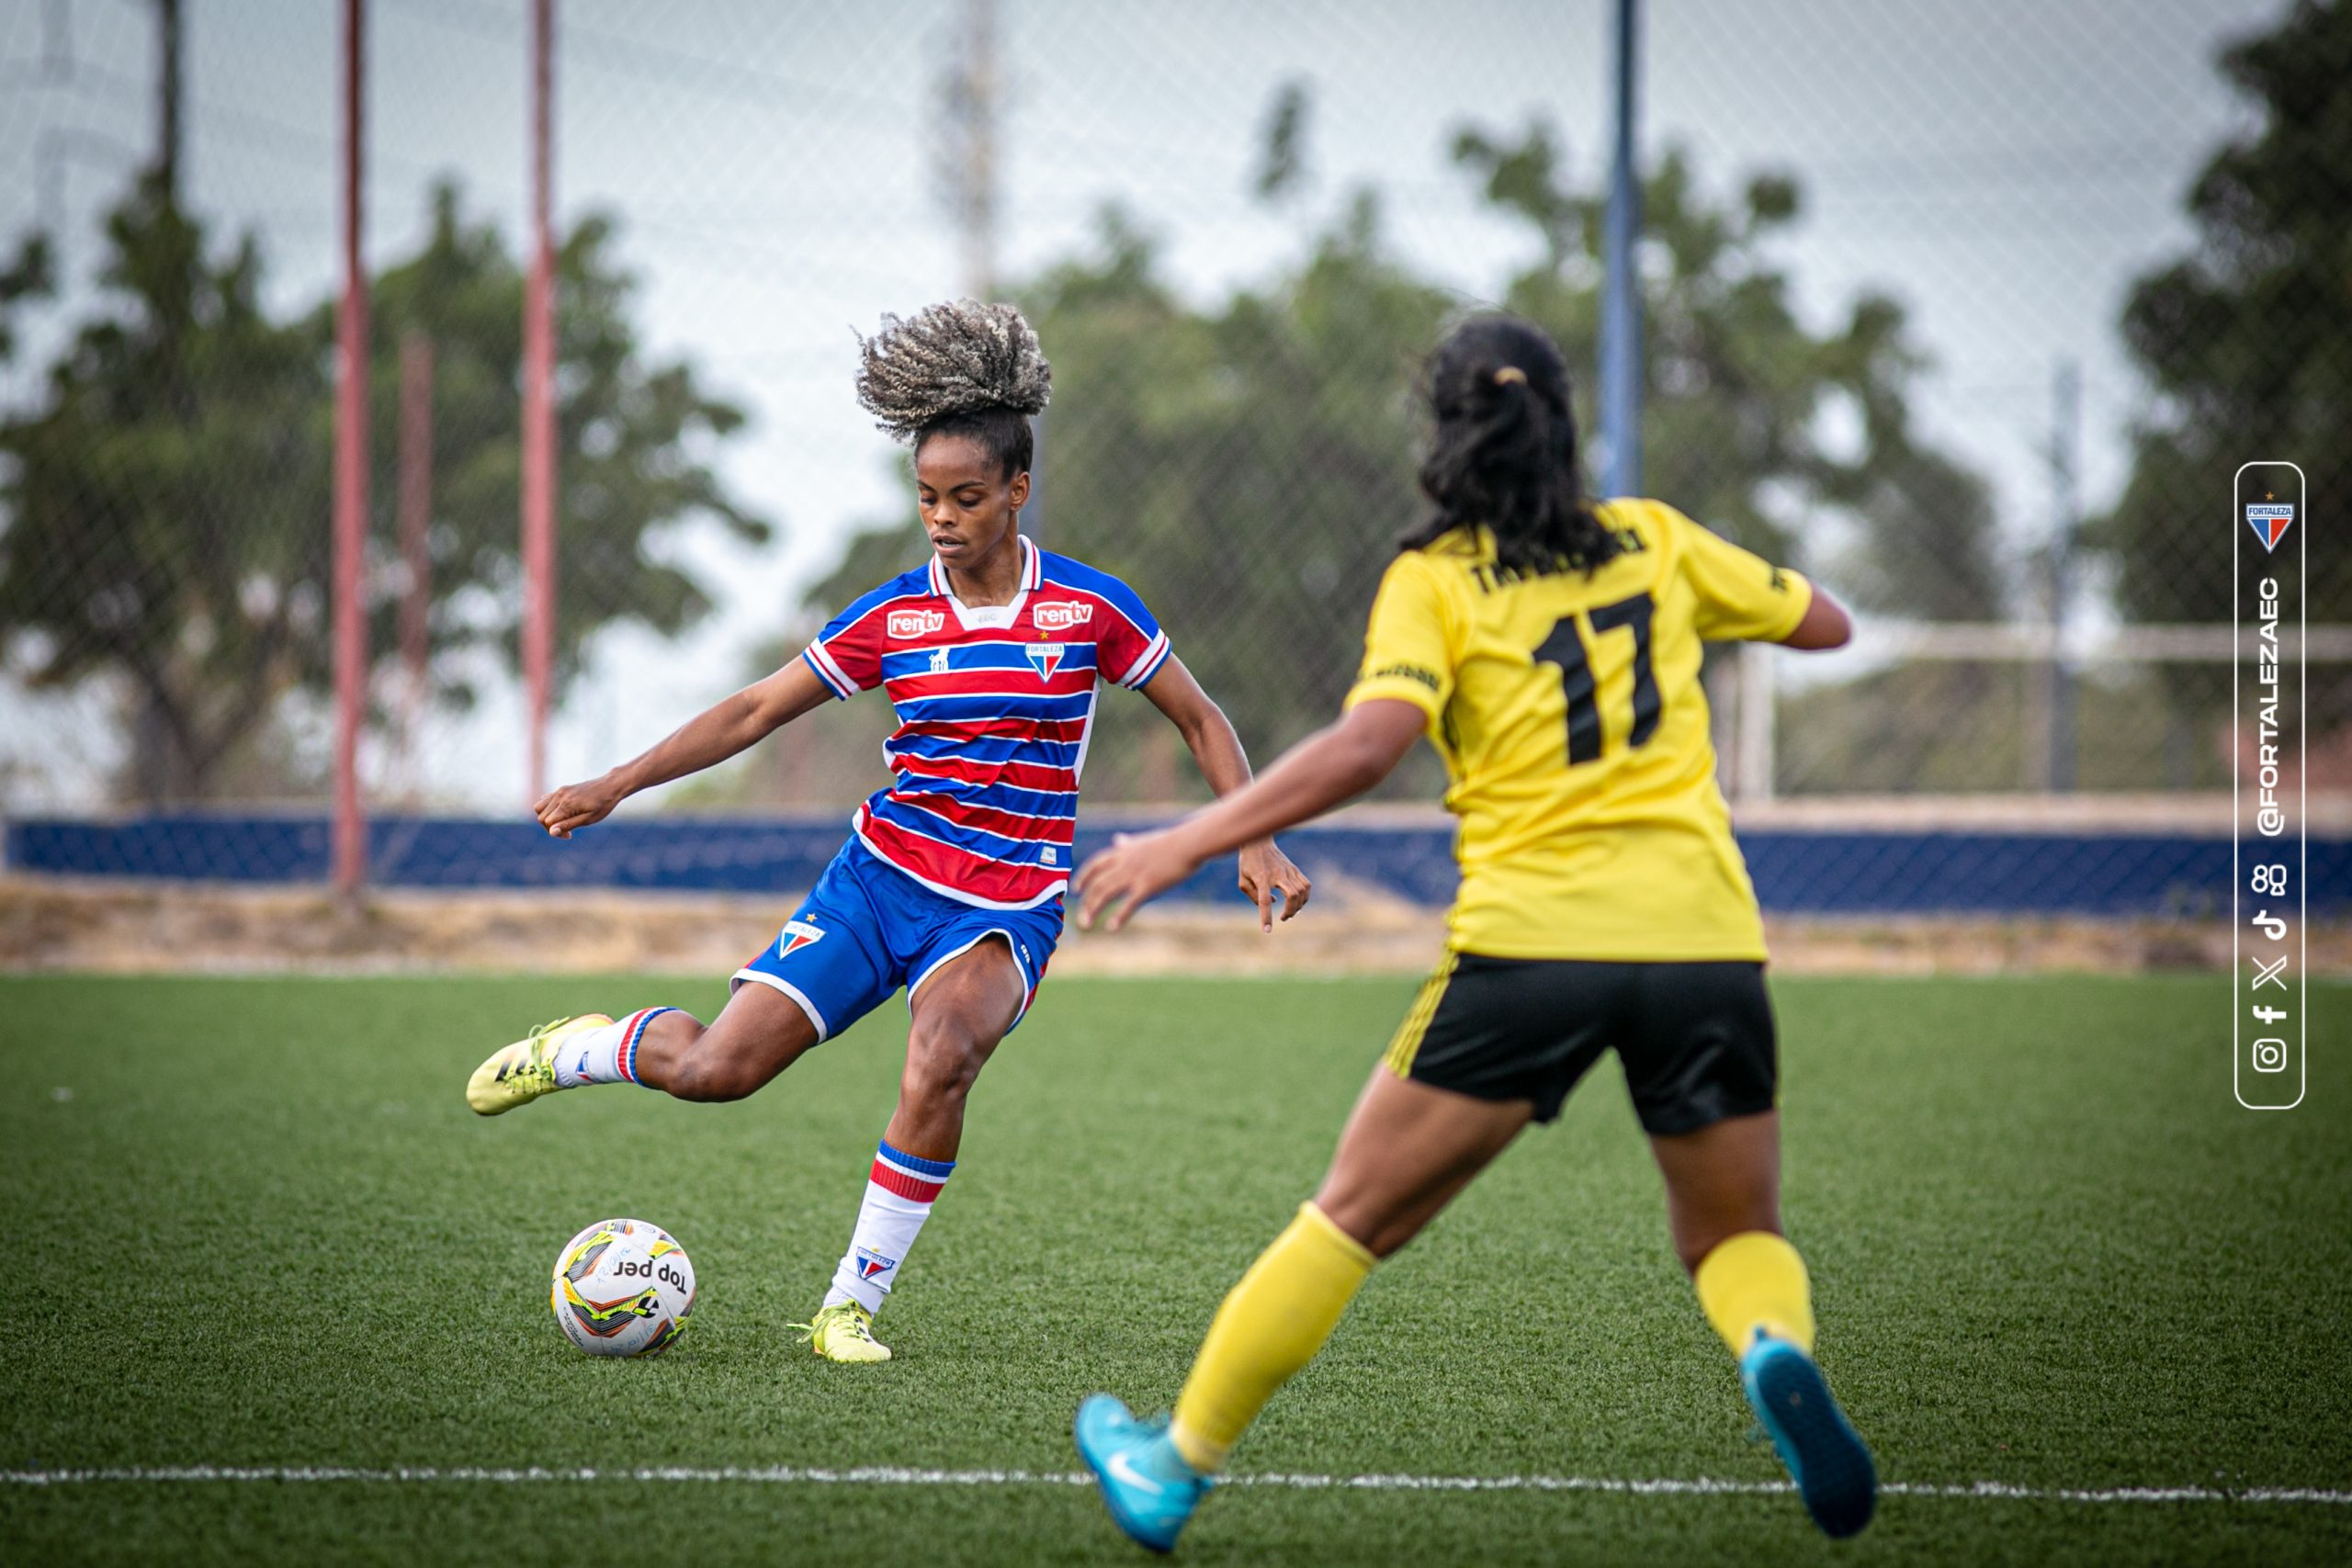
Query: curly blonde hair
{"x": 947, "y": 360}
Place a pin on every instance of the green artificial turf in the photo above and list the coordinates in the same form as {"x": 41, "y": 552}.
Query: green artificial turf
{"x": 250, "y": 1223}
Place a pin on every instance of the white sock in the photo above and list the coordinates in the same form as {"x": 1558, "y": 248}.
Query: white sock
{"x": 605, "y": 1054}
{"x": 899, "y": 1192}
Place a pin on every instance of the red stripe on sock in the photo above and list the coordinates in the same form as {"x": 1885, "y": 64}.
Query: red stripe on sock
{"x": 891, "y": 1178}
{"x": 630, "y": 1026}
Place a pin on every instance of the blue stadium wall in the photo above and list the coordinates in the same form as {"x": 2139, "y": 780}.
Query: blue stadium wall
{"x": 2163, "y": 875}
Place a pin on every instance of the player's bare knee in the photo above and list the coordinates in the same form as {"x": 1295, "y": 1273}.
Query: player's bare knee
{"x": 711, "y": 1075}
{"x": 941, "y": 1065}
{"x": 940, "y": 1078}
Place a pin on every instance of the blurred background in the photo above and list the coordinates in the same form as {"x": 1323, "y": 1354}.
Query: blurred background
{"x": 1969, "y": 311}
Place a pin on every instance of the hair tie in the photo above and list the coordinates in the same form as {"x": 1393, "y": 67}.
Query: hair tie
{"x": 1509, "y": 373}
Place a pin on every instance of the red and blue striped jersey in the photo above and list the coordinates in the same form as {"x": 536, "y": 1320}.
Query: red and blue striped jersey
{"x": 994, "y": 704}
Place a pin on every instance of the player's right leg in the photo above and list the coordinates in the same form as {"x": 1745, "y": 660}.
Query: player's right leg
{"x": 758, "y": 1035}
{"x": 819, "y": 976}
{"x": 1702, "y": 1065}
{"x": 1408, "y": 1148}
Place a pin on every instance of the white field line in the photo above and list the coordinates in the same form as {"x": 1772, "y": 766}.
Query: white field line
{"x": 788, "y": 1475}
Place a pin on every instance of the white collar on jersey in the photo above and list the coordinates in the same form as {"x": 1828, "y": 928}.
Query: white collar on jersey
{"x": 992, "y": 617}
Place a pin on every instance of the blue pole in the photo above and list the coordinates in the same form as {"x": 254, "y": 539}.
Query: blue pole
{"x": 1621, "y": 299}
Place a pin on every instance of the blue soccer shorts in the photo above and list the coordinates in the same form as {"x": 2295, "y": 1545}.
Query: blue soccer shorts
{"x": 868, "y": 928}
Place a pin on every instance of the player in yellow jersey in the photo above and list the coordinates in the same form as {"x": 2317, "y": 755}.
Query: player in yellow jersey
{"x": 1549, "y": 648}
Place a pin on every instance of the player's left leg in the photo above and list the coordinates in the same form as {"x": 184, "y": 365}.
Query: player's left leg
{"x": 961, "y": 1006}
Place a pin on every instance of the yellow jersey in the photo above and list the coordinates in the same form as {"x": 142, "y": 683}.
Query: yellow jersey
{"x": 1575, "y": 731}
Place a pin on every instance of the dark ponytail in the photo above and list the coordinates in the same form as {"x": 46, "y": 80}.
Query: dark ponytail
{"x": 1505, "y": 451}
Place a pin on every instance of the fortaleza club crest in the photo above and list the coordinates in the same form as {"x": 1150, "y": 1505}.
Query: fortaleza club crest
{"x": 1048, "y": 657}
{"x": 872, "y": 1263}
{"x": 798, "y": 934}
{"x": 2269, "y": 520}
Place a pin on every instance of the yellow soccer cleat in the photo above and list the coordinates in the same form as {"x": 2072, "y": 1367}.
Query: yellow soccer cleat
{"x": 844, "y": 1331}
{"x": 522, "y": 1072}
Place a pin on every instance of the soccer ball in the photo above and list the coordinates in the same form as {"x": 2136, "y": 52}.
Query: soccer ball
{"x": 623, "y": 1288}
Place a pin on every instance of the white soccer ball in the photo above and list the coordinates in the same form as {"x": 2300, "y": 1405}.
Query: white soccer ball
{"x": 623, "y": 1288}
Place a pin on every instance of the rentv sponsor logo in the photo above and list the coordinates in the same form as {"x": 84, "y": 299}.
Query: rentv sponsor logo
{"x": 1061, "y": 614}
{"x": 916, "y": 623}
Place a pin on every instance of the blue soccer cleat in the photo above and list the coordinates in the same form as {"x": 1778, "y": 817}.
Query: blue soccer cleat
{"x": 1149, "y": 1488}
{"x": 1825, "y": 1456}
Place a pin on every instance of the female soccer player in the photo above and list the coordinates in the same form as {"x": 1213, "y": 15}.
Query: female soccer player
{"x": 951, "y": 883}
{"x": 1549, "y": 648}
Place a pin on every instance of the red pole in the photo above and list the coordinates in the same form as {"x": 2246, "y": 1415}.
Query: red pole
{"x": 350, "y": 475}
{"x": 538, "y": 413}
{"x": 416, "y": 552}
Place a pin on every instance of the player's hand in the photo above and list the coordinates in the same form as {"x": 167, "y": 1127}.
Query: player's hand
{"x": 1135, "y": 868}
{"x": 1268, "y": 873}
{"x": 577, "y": 805}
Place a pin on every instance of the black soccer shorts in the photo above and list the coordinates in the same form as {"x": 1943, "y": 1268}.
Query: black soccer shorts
{"x": 1696, "y": 1040}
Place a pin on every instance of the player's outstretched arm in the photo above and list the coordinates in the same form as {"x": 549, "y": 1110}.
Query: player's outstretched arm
{"x": 1331, "y": 766}
{"x": 710, "y": 736}
{"x": 1267, "y": 873}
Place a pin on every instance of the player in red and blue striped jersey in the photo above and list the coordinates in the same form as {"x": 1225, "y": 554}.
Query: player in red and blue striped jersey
{"x": 993, "y": 653}
{"x": 995, "y": 706}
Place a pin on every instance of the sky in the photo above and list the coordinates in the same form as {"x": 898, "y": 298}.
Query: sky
{"x": 2005, "y": 169}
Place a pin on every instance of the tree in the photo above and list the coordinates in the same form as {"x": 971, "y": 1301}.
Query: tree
{"x": 167, "y": 500}
{"x": 1738, "y": 389}
{"x": 2247, "y": 340}
{"x": 1249, "y": 466}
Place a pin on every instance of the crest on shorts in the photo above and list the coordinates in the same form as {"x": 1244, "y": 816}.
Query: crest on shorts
{"x": 1048, "y": 657}
{"x": 798, "y": 934}
{"x": 2270, "y": 520}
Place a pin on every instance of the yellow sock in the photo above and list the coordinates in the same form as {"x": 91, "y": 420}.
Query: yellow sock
{"x": 1270, "y": 1324}
{"x": 1754, "y": 1280}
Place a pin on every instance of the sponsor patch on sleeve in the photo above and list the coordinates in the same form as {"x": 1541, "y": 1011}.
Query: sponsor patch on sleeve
{"x": 1410, "y": 673}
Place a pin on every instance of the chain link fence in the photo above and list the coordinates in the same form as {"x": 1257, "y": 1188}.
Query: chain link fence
{"x": 1967, "y": 312}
